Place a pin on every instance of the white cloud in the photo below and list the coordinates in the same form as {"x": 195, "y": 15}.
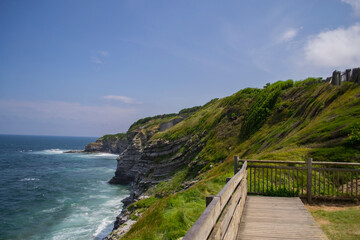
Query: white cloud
{"x": 122, "y": 99}
{"x": 288, "y": 35}
{"x": 339, "y": 48}
{"x": 96, "y": 60}
{"x": 355, "y": 4}
{"x": 103, "y": 53}
{"x": 99, "y": 56}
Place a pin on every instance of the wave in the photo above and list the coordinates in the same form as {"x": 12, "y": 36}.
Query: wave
{"x": 104, "y": 228}
{"x": 80, "y": 155}
{"x": 99, "y": 155}
{"x": 53, "y": 151}
{"x": 106, "y": 154}
{"x": 52, "y": 210}
{"x": 29, "y": 179}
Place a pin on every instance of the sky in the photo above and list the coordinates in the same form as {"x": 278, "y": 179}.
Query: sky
{"x": 89, "y": 68}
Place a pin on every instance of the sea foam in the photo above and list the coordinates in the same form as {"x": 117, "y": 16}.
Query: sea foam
{"x": 29, "y": 179}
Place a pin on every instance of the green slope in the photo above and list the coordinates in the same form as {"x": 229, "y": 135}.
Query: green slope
{"x": 284, "y": 120}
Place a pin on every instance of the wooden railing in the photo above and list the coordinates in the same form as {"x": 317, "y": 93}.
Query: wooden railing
{"x": 221, "y": 218}
{"x": 327, "y": 180}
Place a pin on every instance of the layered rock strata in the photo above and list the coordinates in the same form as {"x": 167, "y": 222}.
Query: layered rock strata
{"x": 145, "y": 162}
{"x": 112, "y": 145}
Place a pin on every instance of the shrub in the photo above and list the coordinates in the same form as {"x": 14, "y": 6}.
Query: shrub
{"x": 281, "y": 192}
{"x": 189, "y": 110}
{"x": 354, "y": 135}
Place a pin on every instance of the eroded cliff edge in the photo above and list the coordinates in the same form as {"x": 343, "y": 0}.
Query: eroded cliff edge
{"x": 146, "y": 161}
{"x": 111, "y": 143}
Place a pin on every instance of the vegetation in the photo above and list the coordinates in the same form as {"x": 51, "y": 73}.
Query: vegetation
{"x": 308, "y": 81}
{"x": 173, "y": 214}
{"x": 354, "y": 135}
{"x": 112, "y": 137}
{"x": 189, "y": 110}
{"x": 281, "y": 192}
{"x": 284, "y": 120}
{"x": 144, "y": 121}
{"x": 261, "y": 109}
{"x": 338, "y": 222}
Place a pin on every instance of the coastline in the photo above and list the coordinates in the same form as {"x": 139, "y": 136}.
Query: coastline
{"x": 122, "y": 223}
{"x": 58, "y": 196}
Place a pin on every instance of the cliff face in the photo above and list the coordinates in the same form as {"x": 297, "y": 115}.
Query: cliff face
{"x": 146, "y": 161}
{"x": 116, "y": 143}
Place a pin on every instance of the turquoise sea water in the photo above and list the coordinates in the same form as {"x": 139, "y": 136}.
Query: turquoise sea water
{"x": 48, "y": 194}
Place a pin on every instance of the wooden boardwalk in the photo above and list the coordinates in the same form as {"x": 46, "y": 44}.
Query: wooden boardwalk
{"x": 277, "y": 218}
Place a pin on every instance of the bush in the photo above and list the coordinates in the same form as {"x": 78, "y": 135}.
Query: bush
{"x": 354, "y": 135}
{"x": 281, "y": 192}
{"x": 189, "y": 110}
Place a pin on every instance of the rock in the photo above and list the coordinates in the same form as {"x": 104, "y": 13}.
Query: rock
{"x": 336, "y": 78}
{"x": 143, "y": 197}
{"x": 347, "y": 74}
{"x": 122, "y": 225}
{"x": 188, "y": 184}
{"x": 127, "y": 201}
{"x": 109, "y": 143}
{"x": 147, "y": 162}
{"x": 167, "y": 125}
{"x": 94, "y": 147}
{"x": 355, "y": 76}
{"x": 75, "y": 151}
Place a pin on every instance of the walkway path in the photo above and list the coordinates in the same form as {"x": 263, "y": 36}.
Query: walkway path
{"x": 277, "y": 218}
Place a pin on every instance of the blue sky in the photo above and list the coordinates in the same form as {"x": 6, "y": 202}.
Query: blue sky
{"x": 88, "y": 68}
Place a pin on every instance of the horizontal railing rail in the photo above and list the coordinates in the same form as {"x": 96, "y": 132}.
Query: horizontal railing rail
{"x": 300, "y": 162}
{"x": 328, "y": 180}
{"x": 222, "y": 215}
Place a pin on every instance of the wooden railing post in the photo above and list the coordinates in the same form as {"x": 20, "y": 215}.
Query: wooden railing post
{"x": 309, "y": 180}
{"x": 209, "y": 198}
{"x": 236, "y": 163}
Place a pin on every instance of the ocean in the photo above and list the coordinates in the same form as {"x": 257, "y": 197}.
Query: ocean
{"x": 48, "y": 194}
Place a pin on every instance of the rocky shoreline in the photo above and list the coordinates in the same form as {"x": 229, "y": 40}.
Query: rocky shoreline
{"x": 142, "y": 163}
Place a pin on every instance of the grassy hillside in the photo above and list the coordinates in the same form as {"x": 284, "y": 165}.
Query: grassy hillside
{"x": 113, "y": 137}
{"x": 285, "y": 120}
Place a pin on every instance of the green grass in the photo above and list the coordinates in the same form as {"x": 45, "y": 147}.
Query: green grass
{"x": 339, "y": 224}
{"x": 167, "y": 188}
{"x": 152, "y": 121}
{"x": 113, "y": 137}
{"x": 171, "y": 216}
{"x": 281, "y": 192}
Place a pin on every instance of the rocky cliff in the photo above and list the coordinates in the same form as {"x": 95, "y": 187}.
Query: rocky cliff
{"x": 116, "y": 143}
{"x": 146, "y": 161}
